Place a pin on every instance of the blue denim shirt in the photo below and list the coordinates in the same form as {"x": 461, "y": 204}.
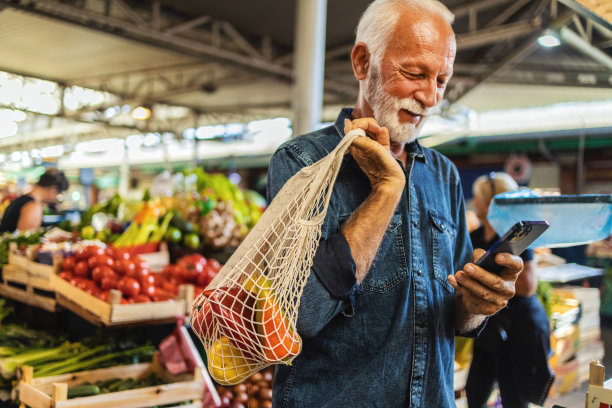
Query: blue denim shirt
{"x": 390, "y": 344}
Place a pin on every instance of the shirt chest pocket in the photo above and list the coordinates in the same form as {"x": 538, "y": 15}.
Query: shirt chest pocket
{"x": 443, "y": 233}
{"x": 390, "y": 265}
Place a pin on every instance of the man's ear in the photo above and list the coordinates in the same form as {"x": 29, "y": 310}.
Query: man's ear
{"x": 360, "y": 59}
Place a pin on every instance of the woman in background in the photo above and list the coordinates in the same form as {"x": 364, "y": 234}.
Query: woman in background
{"x": 514, "y": 347}
{"x": 25, "y": 213}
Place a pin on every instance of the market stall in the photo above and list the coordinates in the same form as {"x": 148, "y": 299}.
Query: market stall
{"x": 164, "y": 115}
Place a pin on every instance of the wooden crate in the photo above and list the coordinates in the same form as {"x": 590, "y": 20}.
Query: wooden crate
{"x": 25, "y": 287}
{"x": 48, "y": 392}
{"x": 100, "y": 312}
{"x": 156, "y": 260}
{"x": 27, "y": 262}
{"x": 599, "y": 393}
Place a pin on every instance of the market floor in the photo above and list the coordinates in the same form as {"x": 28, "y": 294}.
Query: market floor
{"x": 576, "y": 398}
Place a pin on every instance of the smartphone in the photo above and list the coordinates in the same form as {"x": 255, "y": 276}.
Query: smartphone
{"x": 515, "y": 241}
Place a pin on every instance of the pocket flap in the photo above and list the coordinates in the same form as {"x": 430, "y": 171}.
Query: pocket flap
{"x": 441, "y": 223}
{"x": 396, "y": 221}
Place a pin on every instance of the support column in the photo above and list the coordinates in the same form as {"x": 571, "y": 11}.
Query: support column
{"x": 124, "y": 173}
{"x": 309, "y": 64}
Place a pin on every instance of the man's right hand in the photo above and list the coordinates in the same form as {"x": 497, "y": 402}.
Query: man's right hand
{"x": 373, "y": 155}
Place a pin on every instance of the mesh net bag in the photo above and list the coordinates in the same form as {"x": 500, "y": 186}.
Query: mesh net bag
{"x": 246, "y": 317}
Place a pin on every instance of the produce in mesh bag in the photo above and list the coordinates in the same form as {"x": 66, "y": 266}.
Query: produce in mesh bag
{"x": 246, "y": 317}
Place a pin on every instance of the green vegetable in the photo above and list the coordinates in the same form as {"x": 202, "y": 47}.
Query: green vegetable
{"x": 180, "y": 223}
{"x": 68, "y": 364}
{"x": 83, "y": 390}
{"x": 50, "y": 353}
{"x": 544, "y": 293}
{"x": 9, "y": 365}
{"x": 117, "y": 385}
{"x": 14, "y": 335}
{"x": 96, "y": 361}
{"x": 29, "y": 238}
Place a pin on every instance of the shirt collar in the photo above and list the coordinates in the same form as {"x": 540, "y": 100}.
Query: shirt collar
{"x": 411, "y": 148}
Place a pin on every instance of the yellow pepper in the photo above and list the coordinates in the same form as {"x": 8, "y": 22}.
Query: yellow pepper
{"x": 227, "y": 364}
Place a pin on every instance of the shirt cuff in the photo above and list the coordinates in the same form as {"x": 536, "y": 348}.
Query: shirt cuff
{"x": 334, "y": 266}
{"x": 474, "y": 333}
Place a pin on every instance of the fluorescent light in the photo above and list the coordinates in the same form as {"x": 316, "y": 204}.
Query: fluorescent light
{"x": 151, "y": 139}
{"x": 134, "y": 141}
{"x": 549, "y": 40}
{"x": 210, "y": 132}
{"x": 8, "y": 129}
{"x": 112, "y": 111}
{"x": 52, "y": 151}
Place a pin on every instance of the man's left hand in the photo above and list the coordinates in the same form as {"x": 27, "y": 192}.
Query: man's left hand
{"x": 483, "y": 292}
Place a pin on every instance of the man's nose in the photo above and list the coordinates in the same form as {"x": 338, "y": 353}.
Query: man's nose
{"x": 427, "y": 94}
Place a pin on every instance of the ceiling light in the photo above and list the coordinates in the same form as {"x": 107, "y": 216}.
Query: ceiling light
{"x": 141, "y": 113}
{"x": 8, "y": 129}
{"x": 52, "y": 151}
{"x": 549, "y": 40}
{"x": 151, "y": 139}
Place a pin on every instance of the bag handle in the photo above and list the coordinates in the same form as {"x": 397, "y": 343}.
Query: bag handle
{"x": 334, "y": 159}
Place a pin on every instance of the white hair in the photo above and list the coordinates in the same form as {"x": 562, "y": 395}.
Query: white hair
{"x": 379, "y": 21}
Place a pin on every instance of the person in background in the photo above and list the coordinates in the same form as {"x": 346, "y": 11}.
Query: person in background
{"x": 25, "y": 212}
{"x": 515, "y": 345}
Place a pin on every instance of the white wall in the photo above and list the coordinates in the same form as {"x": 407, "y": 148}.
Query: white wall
{"x": 544, "y": 176}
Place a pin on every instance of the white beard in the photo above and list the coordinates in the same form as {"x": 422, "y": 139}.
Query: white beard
{"x": 386, "y": 109}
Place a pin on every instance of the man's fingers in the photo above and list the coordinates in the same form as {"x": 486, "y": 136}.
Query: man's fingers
{"x": 476, "y": 305}
{"x": 372, "y": 129}
{"x": 383, "y": 137}
{"x": 451, "y": 279}
{"x": 367, "y": 124}
{"x": 483, "y": 290}
{"x": 347, "y": 126}
{"x": 491, "y": 280}
{"x": 478, "y": 252}
{"x": 513, "y": 264}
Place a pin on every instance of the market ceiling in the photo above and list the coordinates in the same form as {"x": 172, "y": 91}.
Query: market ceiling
{"x": 233, "y": 58}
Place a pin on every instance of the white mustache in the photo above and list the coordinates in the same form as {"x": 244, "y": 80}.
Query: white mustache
{"x": 412, "y": 106}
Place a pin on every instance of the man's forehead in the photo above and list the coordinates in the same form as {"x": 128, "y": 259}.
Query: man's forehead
{"x": 427, "y": 32}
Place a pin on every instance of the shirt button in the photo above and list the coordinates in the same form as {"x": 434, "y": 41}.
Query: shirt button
{"x": 419, "y": 272}
{"x": 417, "y": 377}
{"x": 415, "y": 223}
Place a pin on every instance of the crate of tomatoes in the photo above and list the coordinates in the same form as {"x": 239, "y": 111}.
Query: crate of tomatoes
{"x": 111, "y": 286}
{"x": 193, "y": 269}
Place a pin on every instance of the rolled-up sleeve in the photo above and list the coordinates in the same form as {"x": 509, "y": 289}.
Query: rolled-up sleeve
{"x": 331, "y": 287}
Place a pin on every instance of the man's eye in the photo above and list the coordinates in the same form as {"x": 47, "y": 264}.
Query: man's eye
{"x": 413, "y": 75}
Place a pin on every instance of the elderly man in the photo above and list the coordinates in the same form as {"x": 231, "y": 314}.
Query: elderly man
{"x": 380, "y": 311}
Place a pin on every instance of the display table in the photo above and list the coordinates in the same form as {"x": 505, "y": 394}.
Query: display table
{"x": 567, "y": 273}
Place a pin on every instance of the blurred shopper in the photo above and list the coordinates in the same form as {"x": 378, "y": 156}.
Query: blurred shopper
{"x": 25, "y": 212}
{"x": 514, "y": 347}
